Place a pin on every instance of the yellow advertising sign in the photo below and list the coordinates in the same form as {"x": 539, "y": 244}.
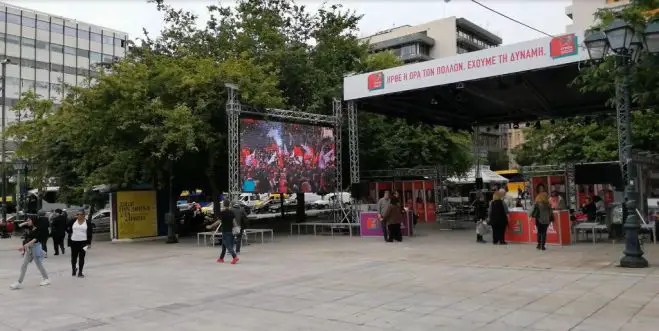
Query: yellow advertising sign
{"x": 136, "y": 214}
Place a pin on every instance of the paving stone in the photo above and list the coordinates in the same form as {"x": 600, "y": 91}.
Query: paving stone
{"x": 436, "y": 281}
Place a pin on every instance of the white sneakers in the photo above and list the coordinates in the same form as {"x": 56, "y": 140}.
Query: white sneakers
{"x": 17, "y": 285}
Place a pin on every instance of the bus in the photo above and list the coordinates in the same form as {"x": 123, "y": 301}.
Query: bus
{"x": 515, "y": 180}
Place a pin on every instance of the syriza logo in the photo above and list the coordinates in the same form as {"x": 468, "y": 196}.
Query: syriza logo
{"x": 376, "y": 81}
{"x": 563, "y": 46}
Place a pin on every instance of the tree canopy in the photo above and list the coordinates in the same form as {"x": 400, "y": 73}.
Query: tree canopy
{"x": 164, "y": 104}
{"x": 595, "y": 138}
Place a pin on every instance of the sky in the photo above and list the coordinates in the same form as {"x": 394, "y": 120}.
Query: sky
{"x": 132, "y": 16}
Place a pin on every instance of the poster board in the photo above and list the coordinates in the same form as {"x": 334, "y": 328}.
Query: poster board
{"x": 134, "y": 215}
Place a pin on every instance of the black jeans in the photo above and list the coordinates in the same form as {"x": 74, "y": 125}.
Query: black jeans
{"x": 239, "y": 240}
{"x": 542, "y": 233}
{"x": 78, "y": 255}
{"x": 395, "y": 233}
{"x": 43, "y": 242}
{"x": 498, "y": 233}
{"x": 58, "y": 243}
{"x": 384, "y": 231}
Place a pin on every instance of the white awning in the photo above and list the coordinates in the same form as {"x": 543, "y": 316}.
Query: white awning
{"x": 487, "y": 174}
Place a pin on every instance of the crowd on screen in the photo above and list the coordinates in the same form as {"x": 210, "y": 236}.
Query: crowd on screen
{"x": 286, "y": 157}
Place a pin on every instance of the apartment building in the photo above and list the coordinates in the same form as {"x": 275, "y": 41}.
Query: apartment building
{"x": 582, "y": 12}
{"x": 440, "y": 38}
{"x": 47, "y": 52}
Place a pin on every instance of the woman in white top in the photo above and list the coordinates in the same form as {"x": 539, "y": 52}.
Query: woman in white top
{"x": 80, "y": 238}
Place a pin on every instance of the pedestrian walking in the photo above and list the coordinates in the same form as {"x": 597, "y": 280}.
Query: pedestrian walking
{"x": 544, "y": 215}
{"x": 383, "y": 205}
{"x": 58, "y": 230}
{"x": 32, "y": 251}
{"x": 480, "y": 211}
{"x": 80, "y": 239}
{"x": 393, "y": 218}
{"x": 240, "y": 217}
{"x": 498, "y": 219}
{"x": 229, "y": 228}
{"x": 44, "y": 224}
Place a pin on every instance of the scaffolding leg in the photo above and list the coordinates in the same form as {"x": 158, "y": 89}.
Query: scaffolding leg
{"x": 233, "y": 109}
{"x": 353, "y": 148}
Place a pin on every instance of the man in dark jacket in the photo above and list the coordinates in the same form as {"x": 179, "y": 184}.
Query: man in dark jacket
{"x": 44, "y": 225}
{"x": 58, "y": 230}
{"x": 240, "y": 216}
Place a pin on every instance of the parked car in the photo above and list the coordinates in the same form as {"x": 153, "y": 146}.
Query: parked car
{"x": 101, "y": 221}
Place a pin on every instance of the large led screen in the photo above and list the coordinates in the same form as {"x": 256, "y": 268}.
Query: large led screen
{"x": 286, "y": 157}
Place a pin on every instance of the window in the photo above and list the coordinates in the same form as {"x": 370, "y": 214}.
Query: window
{"x": 31, "y": 22}
{"x": 11, "y": 39}
{"x": 120, "y": 42}
{"x": 56, "y": 48}
{"x": 43, "y": 65}
{"x": 28, "y": 42}
{"x": 27, "y": 84}
{"x": 408, "y": 50}
{"x": 43, "y": 85}
{"x": 69, "y": 50}
{"x": 83, "y": 72}
{"x": 95, "y": 57}
{"x": 28, "y": 63}
{"x": 84, "y": 34}
{"x": 95, "y": 37}
{"x": 56, "y": 28}
{"x": 42, "y": 44}
{"x": 43, "y": 25}
{"x": 82, "y": 52}
{"x": 108, "y": 40}
{"x": 2, "y": 16}
{"x": 13, "y": 81}
{"x": 11, "y": 18}
{"x": 56, "y": 67}
{"x": 108, "y": 58}
{"x": 70, "y": 70}
{"x": 70, "y": 31}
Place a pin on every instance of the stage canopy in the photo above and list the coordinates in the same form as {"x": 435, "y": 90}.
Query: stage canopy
{"x": 514, "y": 83}
{"x": 489, "y": 177}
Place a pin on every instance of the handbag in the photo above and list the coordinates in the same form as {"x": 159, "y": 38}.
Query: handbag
{"x": 236, "y": 228}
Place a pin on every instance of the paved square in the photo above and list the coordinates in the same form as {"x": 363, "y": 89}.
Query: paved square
{"x": 439, "y": 280}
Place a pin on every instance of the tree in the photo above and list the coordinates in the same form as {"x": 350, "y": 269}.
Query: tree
{"x": 153, "y": 110}
{"x": 589, "y": 139}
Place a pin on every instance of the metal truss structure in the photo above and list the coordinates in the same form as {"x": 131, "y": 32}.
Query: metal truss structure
{"x": 353, "y": 142}
{"x": 235, "y": 110}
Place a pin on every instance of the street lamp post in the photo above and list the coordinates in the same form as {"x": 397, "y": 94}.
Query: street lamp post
{"x": 19, "y": 166}
{"x": 4, "y": 145}
{"x": 621, "y": 40}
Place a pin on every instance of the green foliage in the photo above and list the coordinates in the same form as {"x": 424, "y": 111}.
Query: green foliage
{"x": 572, "y": 140}
{"x": 164, "y": 105}
{"x": 578, "y": 140}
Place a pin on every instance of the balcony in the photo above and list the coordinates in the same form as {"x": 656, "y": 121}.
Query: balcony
{"x": 415, "y": 38}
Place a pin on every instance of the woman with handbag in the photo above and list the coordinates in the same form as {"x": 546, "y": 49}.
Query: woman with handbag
{"x": 544, "y": 215}
{"x": 80, "y": 239}
{"x": 229, "y": 228}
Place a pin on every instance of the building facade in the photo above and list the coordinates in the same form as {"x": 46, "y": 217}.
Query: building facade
{"x": 440, "y": 38}
{"x": 48, "y": 52}
{"x": 582, "y": 12}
